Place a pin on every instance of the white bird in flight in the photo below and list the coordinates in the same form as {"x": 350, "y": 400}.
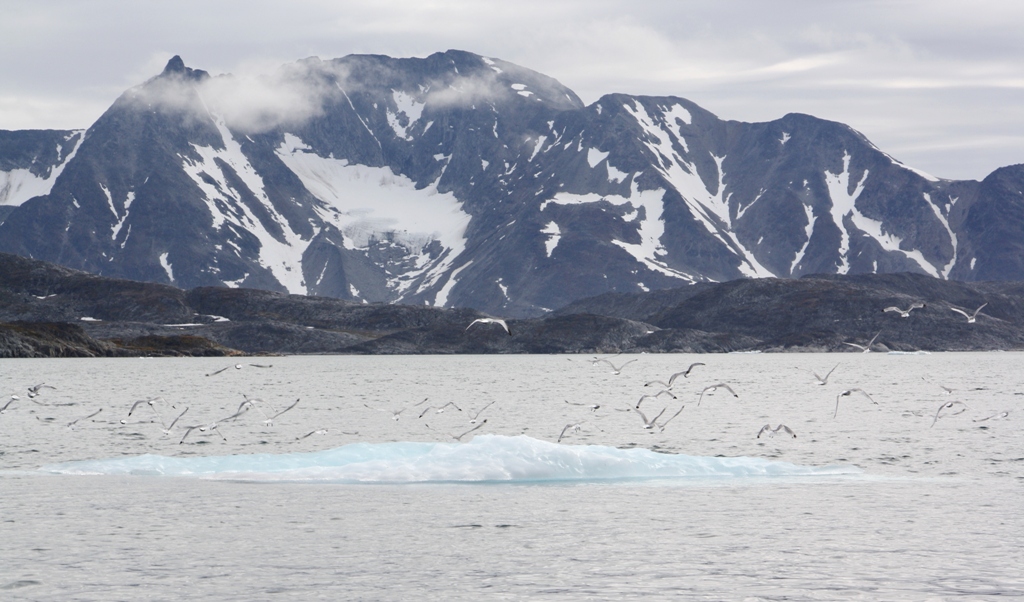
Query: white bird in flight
{"x": 593, "y": 406}
{"x": 497, "y": 321}
{"x": 394, "y": 413}
{"x": 972, "y": 317}
{"x": 616, "y": 369}
{"x": 655, "y": 396}
{"x": 649, "y": 424}
{"x": 824, "y": 381}
{"x": 672, "y": 379}
{"x": 865, "y": 348}
{"x": 771, "y": 431}
{"x": 573, "y": 427}
{"x": 949, "y": 405}
{"x": 664, "y": 424}
{"x": 459, "y": 437}
{"x": 713, "y": 388}
{"x": 849, "y": 392}
{"x": 905, "y": 313}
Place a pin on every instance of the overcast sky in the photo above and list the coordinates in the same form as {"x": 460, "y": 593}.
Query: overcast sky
{"x": 938, "y": 84}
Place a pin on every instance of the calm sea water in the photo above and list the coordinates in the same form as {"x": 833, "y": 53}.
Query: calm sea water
{"x": 907, "y": 510}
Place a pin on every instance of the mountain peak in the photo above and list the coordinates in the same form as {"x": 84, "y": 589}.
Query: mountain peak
{"x": 176, "y": 66}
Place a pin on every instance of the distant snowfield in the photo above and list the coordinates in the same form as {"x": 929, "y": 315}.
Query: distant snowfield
{"x": 20, "y": 185}
{"x": 374, "y": 203}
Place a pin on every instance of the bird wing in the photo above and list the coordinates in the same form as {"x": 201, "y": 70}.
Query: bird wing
{"x": 175, "y": 421}
{"x": 979, "y": 309}
{"x": 286, "y": 409}
{"x": 892, "y": 308}
{"x": 562, "y": 434}
{"x": 787, "y": 429}
{"x": 764, "y": 428}
{"x": 729, "y": 389}
{"x": 137, "y": 404}
{"x": 218, "y": 371}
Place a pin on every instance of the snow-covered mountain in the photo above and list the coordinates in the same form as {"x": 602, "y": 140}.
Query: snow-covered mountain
{"x": 460, "y": 180}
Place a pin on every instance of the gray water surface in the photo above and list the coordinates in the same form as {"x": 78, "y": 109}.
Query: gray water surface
{"x": 935, "y": 513}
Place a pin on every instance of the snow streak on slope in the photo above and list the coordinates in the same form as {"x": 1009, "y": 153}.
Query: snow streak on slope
{"x": 20, "y": 185}
{"x": 710, "y": 209}
{"x": 651, "y": 228}
{"x": 282, "y": 256}
{"x": 811, "y": 218}
{"x": 370, "y": 204}
{"x": 844, "y": 205}
{"x": 952, "y": 236}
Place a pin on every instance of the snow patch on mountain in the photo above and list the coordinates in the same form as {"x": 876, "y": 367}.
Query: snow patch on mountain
{"x": 945, "y": 224}
{"x": 166, "y": 265}
{"x": 710, "y": 209}
{"x": 20, "y": 185}
{"x": 844, "y": 205}
{"x": 369, "y": 204}
{"x": 649, "y": 250}
{"x": 554, "y": 235}
{"x": 282, "y": 256}
{"x": 809, "y": 231}
{"x": 594, "y": 157}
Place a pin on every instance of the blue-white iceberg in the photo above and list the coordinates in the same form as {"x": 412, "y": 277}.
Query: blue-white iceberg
{"x": 487, "y": 458}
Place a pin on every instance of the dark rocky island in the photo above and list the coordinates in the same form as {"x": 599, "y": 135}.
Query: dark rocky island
{"x": 52, "y": 311}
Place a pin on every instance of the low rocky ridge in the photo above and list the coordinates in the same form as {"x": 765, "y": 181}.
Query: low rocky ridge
{"x": 52, "y": 311}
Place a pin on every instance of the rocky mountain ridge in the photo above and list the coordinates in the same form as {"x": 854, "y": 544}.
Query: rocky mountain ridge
{"x": 458, "y": 180}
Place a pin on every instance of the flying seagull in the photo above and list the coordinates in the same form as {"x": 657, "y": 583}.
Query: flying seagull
{"x": 824, "y": 381}
{"x": 655, "y": 396}
{"x": 948, "y": 405}
{"x": 202, "y": 428}
{"x": 713, "y": 388}
{"x": 905, "y": 313}
{"x": 15, "y": 398}
{"x": 672, "y": 379}
{"x": 771, "y": 431}
{"x": 394, "y": 413}
{"x": 34, "y": 390}
{"x": 847, "y": 393}
{"x": 616, "y": 369}
{"x": 75, "y": 421}
{"x": 999, "y": 415}
{"x": 497, "y": 321}
{"x": 270, "y": 421}
{"x": 593, "y": 406}
{"x": 945, "y": 390}
{"x": 664, "y": 424}
{"x": 649, "y": 424}
{"x": 236, "y": 367}
{"x": 167, "y": 431}
{"x": 573, "y": 427}
{"x": 865, "y": 348}
{"x": 459, "y": 437}
{"x": 971, "y": 318}
{"x": 480, "y": 411}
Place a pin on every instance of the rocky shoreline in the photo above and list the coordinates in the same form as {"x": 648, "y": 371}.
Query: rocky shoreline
{"x": 51, "y": 311}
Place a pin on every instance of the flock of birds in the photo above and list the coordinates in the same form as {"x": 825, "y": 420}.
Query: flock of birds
{"x": 169, "y": 416}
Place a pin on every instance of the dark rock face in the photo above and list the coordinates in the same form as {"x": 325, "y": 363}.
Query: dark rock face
{"x": 461, "y": 181}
